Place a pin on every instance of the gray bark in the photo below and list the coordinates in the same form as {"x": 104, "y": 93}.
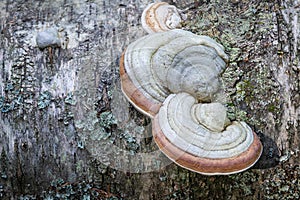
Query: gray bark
{"x": 67, "y": 131}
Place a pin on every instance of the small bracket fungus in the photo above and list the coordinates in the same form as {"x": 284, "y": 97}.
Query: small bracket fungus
{"x": 173, "y": 77}
{"x": 48, "y": 38}
{"x": 161, "y": 16}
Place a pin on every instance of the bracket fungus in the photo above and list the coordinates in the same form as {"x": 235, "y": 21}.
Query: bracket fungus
{"x": 161, "y": 16}
{"x": 159, "y": 64}
{"x": 173, "y": 77}
{"x": 180, "y": 134}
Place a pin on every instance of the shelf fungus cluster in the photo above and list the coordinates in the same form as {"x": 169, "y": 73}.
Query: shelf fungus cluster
{"x": 161, "y": 16}
{"x": 173, "y": 77}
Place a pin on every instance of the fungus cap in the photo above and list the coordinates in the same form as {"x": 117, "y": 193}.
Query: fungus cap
{"x": 161, "y": 16}
{"x": 159, "y": 64}
{"x": 181, "y": 137}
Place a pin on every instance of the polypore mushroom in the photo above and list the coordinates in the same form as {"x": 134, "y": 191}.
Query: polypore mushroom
{"x": 161, "y": 16}
{"x": 163, "y": 63}
{"x": 230, "y": 148}
{"x": 173, "y": 77}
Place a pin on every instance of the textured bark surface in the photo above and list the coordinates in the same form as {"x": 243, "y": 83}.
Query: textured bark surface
{"x": 67, "y": 132}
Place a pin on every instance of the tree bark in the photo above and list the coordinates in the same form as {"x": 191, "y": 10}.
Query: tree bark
{"x": 68, "y": 132}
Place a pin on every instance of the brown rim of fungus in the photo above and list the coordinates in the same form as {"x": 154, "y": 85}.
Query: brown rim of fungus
{"x": 207, "y": 166}
{"x": 132, "y": 93}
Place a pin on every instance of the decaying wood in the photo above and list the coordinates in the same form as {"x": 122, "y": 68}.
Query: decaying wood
{"x": 66, "y": 129}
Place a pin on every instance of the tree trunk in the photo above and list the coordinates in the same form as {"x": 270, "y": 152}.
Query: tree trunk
{"x": 68, "y": 132}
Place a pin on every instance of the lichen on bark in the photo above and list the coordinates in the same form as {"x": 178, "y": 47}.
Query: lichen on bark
{"x": 59, "y": 102}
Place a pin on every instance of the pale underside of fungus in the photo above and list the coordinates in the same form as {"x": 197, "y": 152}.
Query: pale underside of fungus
{"x": 173, "y": 77}
{"x": 161, "y": 16}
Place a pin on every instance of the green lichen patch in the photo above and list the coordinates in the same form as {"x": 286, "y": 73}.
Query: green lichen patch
{"x": 69, "y": 99}
{"x": 131, "y": 142}
{"x": 282, "y": 183}
{"x": 244, "y": 182}
{"x": 44, "y": 99}
{"x": 97, "y": 129}
{"x": 61, "y": 189}
{"x": 107, "y": 120}
{"x": 19, "y": 90}
{"x": 188, "y": 185}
